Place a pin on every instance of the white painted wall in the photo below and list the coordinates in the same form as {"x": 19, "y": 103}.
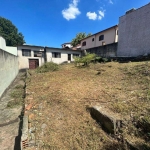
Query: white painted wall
{"x": 110, "y": 36}
{"x": 64, "y": 55}
{"x": 11, "y": 50}
{"x": 24, "y": 61}
{"x": 2, "y": 43}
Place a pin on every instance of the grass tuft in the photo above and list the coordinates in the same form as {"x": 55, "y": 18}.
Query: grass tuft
{"x": 47, "y": 67}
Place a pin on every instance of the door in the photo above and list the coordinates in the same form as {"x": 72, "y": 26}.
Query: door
{"x": 33, "y": 63}
{"x": 69, "y": 57}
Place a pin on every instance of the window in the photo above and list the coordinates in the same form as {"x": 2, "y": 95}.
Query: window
{"x": 92, "y": 39}
{"x": 56, "y": 55}
{"x": 38, "y": 54}
{"x": 75, "y": 55}
{"x": 26, "y": 52}
{"x": 84, "y": 43}
{"x": 101, "y": 37}
{"x": 117, "y": 32}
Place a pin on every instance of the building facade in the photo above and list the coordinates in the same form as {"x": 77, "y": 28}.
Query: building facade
{"x": 101, "y": 38}
{"x": 59, "y": 56}
{"x": 134, "y": 33}
{"x": 30, "y": 56}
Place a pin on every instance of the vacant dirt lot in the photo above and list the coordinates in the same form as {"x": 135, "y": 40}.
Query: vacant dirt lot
{"x": 61, "y": 100}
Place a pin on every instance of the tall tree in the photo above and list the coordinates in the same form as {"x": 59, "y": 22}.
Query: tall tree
{"x": 10, "y": 33}
{"x": 78, "y": 38}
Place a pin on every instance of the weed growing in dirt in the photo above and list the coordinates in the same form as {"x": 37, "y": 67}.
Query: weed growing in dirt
{"x": 18, "y": 94}
{"x": 49, "y": 66}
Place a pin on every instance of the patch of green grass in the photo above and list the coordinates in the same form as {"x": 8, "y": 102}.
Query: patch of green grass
{"x": 49, "y": 66}
{"x": 19, "y": 86}
{"x": 14, "y": 103}
{"x": 18, "y": 95}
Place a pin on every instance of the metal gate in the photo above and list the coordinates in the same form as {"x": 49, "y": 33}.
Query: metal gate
{"x": 33, "y": 63}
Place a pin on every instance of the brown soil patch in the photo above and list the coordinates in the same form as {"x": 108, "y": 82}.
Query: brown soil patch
{"x": 61, "y": 100}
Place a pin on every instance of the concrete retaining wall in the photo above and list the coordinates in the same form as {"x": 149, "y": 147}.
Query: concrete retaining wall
{"x": 109, "y": 50}
{"x": 134, "y": 33}
{"x": 8, "y": 69}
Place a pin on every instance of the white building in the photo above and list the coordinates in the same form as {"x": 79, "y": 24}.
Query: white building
{"x": 31, "y": 56}
{"x": 58, "y": 55}
{"x": 66, "y": 45}
{"x": 101, "y": 38}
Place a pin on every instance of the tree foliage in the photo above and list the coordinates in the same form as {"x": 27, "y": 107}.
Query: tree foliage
{"x": 78, "y": 38}
{"x": 10, "y": 33}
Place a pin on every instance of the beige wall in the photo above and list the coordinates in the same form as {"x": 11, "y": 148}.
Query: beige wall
{"x": 8, "y": 66}
{"x": 24, "y": 61}
{"x": 64, "y": 55}
{"x": 110, "y": 36}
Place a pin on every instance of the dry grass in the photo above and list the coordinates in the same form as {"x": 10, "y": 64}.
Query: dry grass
{"x": 61, "y": 99}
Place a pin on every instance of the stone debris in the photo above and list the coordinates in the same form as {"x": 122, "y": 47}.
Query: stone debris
{"x": 110, "y": 122}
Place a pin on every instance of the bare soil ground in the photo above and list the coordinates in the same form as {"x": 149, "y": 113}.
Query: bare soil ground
{"x": 61, "y": 100}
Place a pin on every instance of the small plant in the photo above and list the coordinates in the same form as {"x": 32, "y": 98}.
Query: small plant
{"x": 85, "y": 60}
{"x": 49, "y": 66}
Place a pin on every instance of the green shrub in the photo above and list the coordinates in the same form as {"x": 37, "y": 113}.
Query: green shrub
{"x": 85, "y": 60}
{"x": 88, "y": 58}
{"x": 46, "y": 67}
{"x": 104, "y": 59}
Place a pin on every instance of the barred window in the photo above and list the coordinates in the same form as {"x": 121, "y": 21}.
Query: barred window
{"x": 56, "y": 55}
{"x": 26, "y": 52}
{"x": 38, "y": 54}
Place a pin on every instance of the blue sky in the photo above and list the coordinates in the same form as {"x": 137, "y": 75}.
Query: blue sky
{"x": 53, "y": 22}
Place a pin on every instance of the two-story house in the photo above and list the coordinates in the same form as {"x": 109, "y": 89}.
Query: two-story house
{"x": 101, "y": 38}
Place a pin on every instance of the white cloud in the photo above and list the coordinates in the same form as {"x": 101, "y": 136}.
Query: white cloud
{"x": 95, "y": 16}
{"x": 101, "y": 13}
{"x": 110, "y": 1}
{"x": 99, "y": 17}
{"x": 72, "y": 11}
{"x": 75, "y": 2}
{"x": 92, "y": 16}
